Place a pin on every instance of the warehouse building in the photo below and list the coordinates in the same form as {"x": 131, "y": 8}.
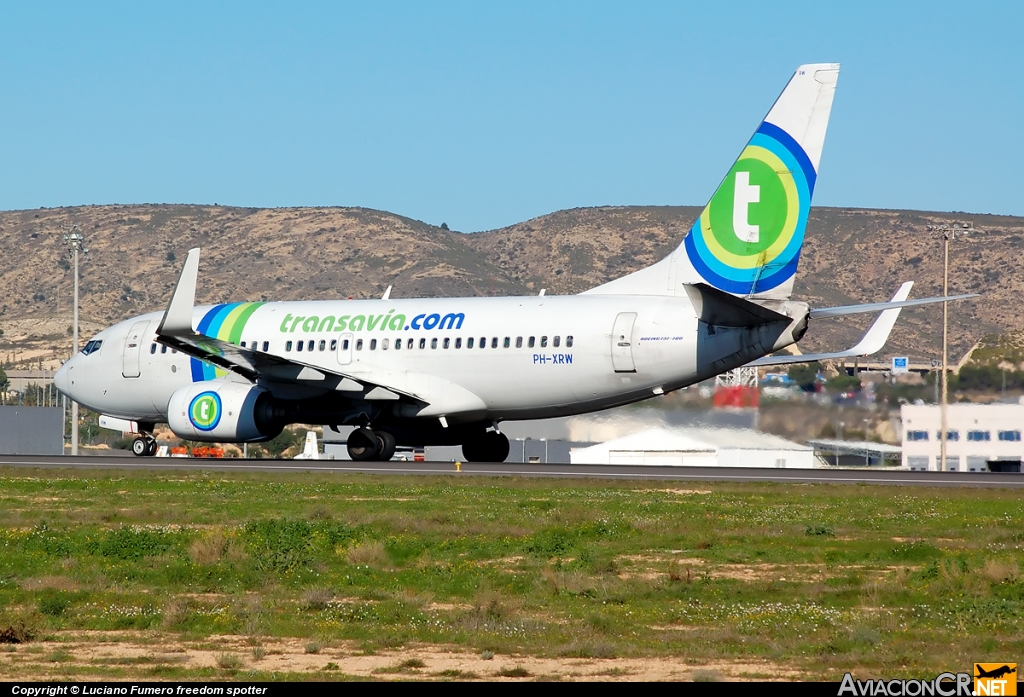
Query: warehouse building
{"x": 979, "y": 437}
{"x": 685, "y": 447}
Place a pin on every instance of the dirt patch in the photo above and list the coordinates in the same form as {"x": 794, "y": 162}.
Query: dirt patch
{"x": 133, "y": 657}
{"x": 60, "y": 583}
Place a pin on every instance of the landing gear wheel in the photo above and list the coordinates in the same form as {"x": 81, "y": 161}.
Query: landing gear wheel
{"x": 386, "y": 441}
{"x": 151, "y": 447}
{"x": 363, "y": 445}
{"x": 140, "y": 447}
{"x": 490, "y": 446}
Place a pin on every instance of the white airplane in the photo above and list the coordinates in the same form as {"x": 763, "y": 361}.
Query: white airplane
{"x": 448, "y": 371}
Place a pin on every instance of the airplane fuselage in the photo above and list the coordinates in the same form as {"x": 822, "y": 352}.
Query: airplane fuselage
{"x": 476, "y": 358}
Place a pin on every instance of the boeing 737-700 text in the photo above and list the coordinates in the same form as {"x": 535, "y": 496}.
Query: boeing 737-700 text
{"x": 450, "y": 370}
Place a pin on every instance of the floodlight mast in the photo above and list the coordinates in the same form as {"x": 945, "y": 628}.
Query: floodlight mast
{"x": 948, "y": 232}
{"x": 75, "y": 243}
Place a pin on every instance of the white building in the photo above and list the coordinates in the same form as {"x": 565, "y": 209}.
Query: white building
{"x": 980, "y": 437}
{"x": 693, "y": 447}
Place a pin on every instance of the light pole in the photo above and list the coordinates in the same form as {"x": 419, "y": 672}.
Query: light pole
{"x": 75, "y": 243}
{"x": 948, "y": 232}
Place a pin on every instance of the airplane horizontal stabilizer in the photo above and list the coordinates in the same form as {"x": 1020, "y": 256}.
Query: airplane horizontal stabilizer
{"x": 872, "y": 341}
{"x": 820, "y": 312}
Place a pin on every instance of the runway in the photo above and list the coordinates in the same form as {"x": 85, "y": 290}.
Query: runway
{"x": 561, "y": 471}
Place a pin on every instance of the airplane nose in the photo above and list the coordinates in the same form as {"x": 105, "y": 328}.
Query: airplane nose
{"x": 62, "y": 380}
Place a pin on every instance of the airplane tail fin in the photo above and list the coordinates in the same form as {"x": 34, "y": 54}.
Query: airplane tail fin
{"x": 311, "y": 451}
{"x": 747, "y": 241}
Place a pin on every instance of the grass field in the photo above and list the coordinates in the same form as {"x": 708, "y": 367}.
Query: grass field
{"x": 258, "y": 576}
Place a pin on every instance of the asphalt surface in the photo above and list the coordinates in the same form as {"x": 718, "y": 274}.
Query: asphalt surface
{"x": 708, "y": 474}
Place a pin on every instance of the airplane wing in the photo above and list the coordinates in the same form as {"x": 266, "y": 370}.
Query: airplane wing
{"x": 872, "y": 341}
{"x": 176, "y": 331}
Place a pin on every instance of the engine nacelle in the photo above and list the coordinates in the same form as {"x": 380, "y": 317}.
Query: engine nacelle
{"x": 218, "y": 411}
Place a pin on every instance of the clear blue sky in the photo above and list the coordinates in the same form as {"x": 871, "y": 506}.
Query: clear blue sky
{"x": 483, "y": 114}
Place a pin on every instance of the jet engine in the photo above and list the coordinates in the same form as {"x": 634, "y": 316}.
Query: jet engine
{"x": 224, "y": 412}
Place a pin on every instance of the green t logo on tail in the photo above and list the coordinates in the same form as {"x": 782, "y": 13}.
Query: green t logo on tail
{"x": 748, "y": 238}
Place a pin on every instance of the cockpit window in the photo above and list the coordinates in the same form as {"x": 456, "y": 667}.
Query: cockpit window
{"x": 92, "y": 346}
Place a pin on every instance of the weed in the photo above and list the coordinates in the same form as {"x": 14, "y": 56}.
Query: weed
{"x": 314, "y": 647}
{"x": 616, "y": 672}
{"x": 487, "y": 655}
{"x": 229, "y": 661}
{"x": 15, "y": 634}
{"x": 316, "y": 599}
{"x": 408, "y": 666}
{"x": 588, "y": 649}
{"x": 54, "y": 603}
{"x": 258, "y": 653}
{"x": 706, "y": 676}
{"x": 517, "y": 672}
{"x": 456, "y": 674}
{"x": 331, "y": 665}
{"x": 59, "y": 656}
{"x": 819, "y": 531}
{"x": 370, "y": 554}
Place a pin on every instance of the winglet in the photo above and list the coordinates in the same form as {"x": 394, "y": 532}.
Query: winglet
{"x": 177, "y": 319}
{"x": 875, "y": 337}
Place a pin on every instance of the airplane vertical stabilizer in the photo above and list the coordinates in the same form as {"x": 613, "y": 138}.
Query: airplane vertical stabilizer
{"x": 747, "y": 240}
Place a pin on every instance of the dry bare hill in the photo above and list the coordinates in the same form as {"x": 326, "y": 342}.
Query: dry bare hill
{"x": 291, "y": 253}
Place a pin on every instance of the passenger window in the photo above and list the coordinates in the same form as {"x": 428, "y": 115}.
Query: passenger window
{"x": 300, "y": 345}
{"x": 433, "y": 343}
{"x": 409, "y": 345}
{"x": 494, "y": 342}
{"x": 344, "y": 345}
{"x": 543, "y": 341}
{"x": 446, "y": 342}
{"x": 163, "y": 349}
{"x": 557, "y": 340}
{"x": 519, "y": 342}
{"x": 483, "y": 342}
{"x": 423, "y": 343}
{"x": 266, "y": 346}
{"x": 533, "y": 340}
{"x": 568, "y": 342}
{"x": 458, "y": 342}
{"x": 507, "y": 342}
{"x": 398, "y": 344}
{"x": 469, "y": 342}
{"x": 152, "y": 349}
{"x": 323, "y": 344}
{"x": 359, "y": 344}
{"x": 172, "y": 350}
{"x": 334, "y": 345}
{"x": 287, "y": 346}
{"x": 242, "y": 344}
{"x": 309, "y": 346}
{"x": 373, "y": 344}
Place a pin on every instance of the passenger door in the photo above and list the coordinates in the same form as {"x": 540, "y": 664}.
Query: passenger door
{"x": 133, "y": 349}
{"x": 622, "y": 338}
{"x": 345, "y": 349}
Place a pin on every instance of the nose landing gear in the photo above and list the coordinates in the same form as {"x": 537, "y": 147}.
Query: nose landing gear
{"x": 490, "y": 446}
{"x": 144, "y": 446}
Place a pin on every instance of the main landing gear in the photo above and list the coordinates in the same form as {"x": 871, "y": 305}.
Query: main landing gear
{"x": 365, "y": 444}
{"x": 144, "y": 446}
